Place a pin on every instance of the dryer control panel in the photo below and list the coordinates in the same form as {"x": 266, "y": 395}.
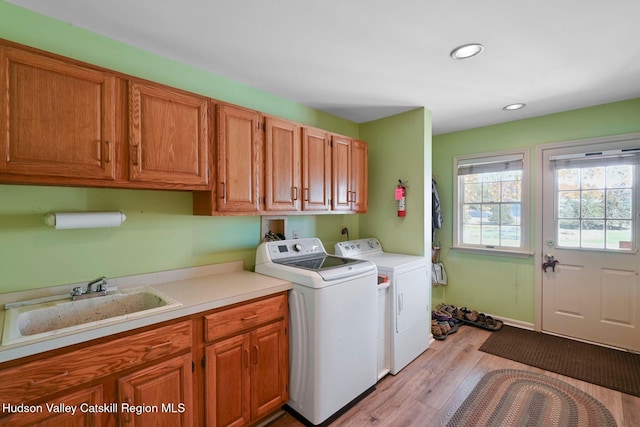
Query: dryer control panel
{"x": 359, "y": 247}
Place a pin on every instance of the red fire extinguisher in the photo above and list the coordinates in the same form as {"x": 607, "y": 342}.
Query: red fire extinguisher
{"x": 401, "y": 197}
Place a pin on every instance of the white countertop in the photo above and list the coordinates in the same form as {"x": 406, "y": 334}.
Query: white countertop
{"x": 197, "y": 289}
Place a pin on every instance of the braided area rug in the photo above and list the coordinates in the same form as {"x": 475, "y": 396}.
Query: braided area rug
{"x": 509, "y": 397}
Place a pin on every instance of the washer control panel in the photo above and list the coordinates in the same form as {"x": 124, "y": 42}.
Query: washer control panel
{"x": 282, "y": 249}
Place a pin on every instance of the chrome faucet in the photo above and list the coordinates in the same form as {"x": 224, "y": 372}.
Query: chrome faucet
{"x": 100, "y": 289}
{"x": 100, "y": 281}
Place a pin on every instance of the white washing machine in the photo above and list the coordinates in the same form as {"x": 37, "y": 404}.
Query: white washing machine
{"x": 409, "y": 299}
{"x": 332, "y": 339}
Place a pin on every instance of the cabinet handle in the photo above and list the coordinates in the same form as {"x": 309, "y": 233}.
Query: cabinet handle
{"x": 306, "y": 194}
{"x": 353, "y": 196}
{"x": 244, "y": 319}
{"x": 55, "y": 377}
{"x": 126, "y": 415}
{"x": 246, "y": 357}
{"x": 136, "y": 155}
{"x": 257, "y": 353}
{"x": 223, "y": 192}
{"x": 164, "y": 344}
{"x": 294, "y": 193}
{"x": 107, "y": 157}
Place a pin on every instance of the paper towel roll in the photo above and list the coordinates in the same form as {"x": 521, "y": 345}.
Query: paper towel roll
{"x": 65, "y": 221}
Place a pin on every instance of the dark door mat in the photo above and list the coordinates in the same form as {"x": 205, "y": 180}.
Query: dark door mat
{"x": 614, "y": 369}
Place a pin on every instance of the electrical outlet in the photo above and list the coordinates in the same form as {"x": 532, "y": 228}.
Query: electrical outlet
{"x": 295, "y": 234}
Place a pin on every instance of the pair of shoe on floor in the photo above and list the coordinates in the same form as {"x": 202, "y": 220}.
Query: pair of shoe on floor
{"x": 471, "y": 317}
{"x": 443, "y": 324}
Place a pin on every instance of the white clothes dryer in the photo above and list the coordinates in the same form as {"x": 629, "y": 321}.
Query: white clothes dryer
{"x": 409, "y": 299}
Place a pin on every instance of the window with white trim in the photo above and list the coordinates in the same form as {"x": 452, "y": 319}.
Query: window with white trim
{"x": 492, "y": 201}
{"x": 595, "y": 194}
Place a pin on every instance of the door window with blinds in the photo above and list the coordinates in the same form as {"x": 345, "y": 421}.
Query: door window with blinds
{"x": 595, "y": 199}
{"x": 492, "y": 201}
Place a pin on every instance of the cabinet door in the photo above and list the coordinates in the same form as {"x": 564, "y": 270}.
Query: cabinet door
{"x": 282, "y": 165}
{"x": 227, "y": 382}
{"x": 316, "y": 170}
{"x": 52, "y": 418}
{"x": 359, "y": 176}
{"x": 269, "y": 373}
{"x": 237, "y": 153}
{"x": 168, "y": 136}
{"x": 163, "y": 394}
{"x": 341, "y": 170}
{"x": 61, "y": 118}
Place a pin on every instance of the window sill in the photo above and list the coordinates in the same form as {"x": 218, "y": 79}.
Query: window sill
{"x": 493, "y": 251}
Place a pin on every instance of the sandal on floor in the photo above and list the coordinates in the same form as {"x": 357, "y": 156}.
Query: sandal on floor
{"x": 454, "y": 328}
{"x": 437, "y": 332}
{"x": 441, "y": 315}
{"x": 471, "y": 316}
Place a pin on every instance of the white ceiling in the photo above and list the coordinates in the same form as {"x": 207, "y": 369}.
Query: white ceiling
{"x": 367, "y": 59}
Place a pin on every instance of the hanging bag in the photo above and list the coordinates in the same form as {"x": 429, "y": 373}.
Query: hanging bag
{"x": 438, "y": 273}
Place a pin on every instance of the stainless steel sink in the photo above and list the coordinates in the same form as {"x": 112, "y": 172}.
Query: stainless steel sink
{"x": 25, "y": 321}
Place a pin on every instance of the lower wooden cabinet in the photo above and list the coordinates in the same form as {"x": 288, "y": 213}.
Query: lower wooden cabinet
{"x": 227, "y": 383}
{"x": 159, "y": 395}
{"x": 55, "y": 416}
{"x": 149, "y": 378}
{"x": 140, "y": 364}
{"x": 246, "y": 362}
{"x": 269, "y": 373}
{"x": 246, "y": 376}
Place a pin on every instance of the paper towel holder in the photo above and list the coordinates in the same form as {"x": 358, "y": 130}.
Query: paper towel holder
{"x": 75, "y": 220}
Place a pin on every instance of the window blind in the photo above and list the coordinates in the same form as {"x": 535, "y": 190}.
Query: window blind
{"x": 627, "y": 156}
{"x": 504, "y": 163}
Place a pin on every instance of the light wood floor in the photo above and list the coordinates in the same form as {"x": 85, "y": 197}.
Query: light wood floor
{"x": 428, "y": 391}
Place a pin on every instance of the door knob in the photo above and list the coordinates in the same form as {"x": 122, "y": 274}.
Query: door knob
{"x": 550, "y": 261}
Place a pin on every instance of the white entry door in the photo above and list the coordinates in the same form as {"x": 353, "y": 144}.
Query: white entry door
{"x": 590, "y": 226}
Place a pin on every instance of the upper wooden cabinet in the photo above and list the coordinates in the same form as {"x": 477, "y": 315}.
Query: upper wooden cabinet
{"x": 341, "y": 171}
{"x": 282, "y": 165}
{"x": 350, "y": 175}
{"x": 168, "y": 136}
{"x": 63, "y": 122}
{"x": 359, "y": 176}
{"x": 237, "y": 159}
{"x": 58, "y": 118}
{"x": 316, "y": 170}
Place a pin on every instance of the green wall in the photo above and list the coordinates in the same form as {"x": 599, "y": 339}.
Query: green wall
{"x": 160, "y": 233}
{"x": 499, "y": 285}
{"x": 399, "y": 148}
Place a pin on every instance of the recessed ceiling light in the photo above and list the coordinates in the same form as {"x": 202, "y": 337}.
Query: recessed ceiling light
{"x": 512, "y": 107}
{"x": 467, "y": 51}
